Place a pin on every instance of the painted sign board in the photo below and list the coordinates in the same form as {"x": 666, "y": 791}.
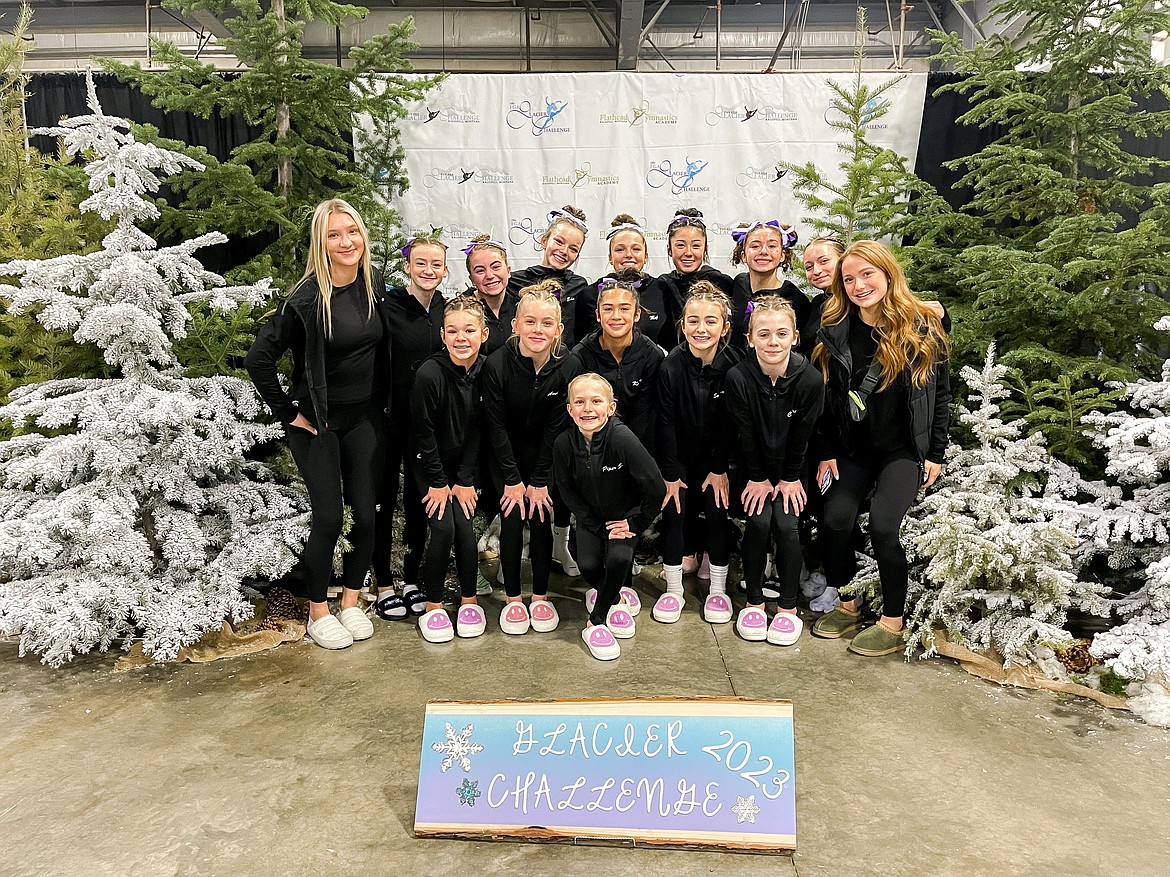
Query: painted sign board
{"x": 689, "y": 772}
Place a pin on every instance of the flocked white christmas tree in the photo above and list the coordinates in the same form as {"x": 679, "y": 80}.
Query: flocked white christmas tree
{"x": 127, "y": 507}
{"x": 998, "y": 548}
{"x": 1137, "y": 442}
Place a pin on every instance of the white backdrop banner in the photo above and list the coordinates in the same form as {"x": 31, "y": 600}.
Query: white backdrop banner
{"x": 494, "y": 153}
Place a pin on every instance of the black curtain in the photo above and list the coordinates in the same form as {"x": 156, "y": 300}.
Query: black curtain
{"x": 942, "y": 139}
{"x": 55, "y": 96}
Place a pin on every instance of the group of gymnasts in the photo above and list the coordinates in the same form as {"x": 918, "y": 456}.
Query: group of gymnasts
{"x": 592, "y": 410}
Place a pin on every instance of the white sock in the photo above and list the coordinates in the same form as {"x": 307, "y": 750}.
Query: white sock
{"x": 674, "y": 578}
{"x": 561, "y": 538}
{"x": 718, "y": 579}
{"x": 406, "y": 589}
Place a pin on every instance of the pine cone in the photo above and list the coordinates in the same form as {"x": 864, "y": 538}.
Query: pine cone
{"x": 280, "y": 606}
{"x": 1075, "y": 657}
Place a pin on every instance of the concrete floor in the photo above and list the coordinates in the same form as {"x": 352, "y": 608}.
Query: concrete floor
{"x": 300, "y": 761}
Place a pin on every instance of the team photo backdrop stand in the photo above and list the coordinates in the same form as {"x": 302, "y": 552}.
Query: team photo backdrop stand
{"x": 715, "y": 773}
{"x": 494, "y": 152}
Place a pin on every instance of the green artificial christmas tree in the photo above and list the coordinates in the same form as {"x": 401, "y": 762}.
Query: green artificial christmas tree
{"x": 39, "y": 218}
{"x": 304, "y": 111}
{"x": 870, "y": 191}
{"x": 1064, "y": 247}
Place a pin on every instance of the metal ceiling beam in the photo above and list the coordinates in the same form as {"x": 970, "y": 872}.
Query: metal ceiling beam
{"x": 629, "y": 35}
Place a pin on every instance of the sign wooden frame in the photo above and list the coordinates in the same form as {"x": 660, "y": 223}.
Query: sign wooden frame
{"x": 697, "y": 772}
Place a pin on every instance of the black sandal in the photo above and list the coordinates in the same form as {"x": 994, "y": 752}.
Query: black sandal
{"x": 391, "y": 607}
{"x": 416, "y": 602}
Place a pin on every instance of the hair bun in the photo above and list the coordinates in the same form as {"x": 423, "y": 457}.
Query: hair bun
{"x": 623, "y": 219}
{"x": 574, "y": 211}
{"x": 481, "y": 238}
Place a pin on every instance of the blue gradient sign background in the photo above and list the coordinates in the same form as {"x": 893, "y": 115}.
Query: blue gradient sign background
{"x": 710, "y": 772}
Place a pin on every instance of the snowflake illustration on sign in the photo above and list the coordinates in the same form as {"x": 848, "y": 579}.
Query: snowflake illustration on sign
{"x": 468, "y": 792}
{"x": 457, "y": 748}
{"x": 745, "y": 809}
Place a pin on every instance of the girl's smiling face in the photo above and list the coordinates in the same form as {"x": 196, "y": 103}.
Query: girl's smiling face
{"x": 688, "y": 248}
{"x": 704, "y": 326}
{"x": 772, "y": 336}
{"x": 463, "y": 334}
{"x": 820, "y": 261}
{"x": 763, "y": 252}
{"x": 591, "y": 406}
{"x": 627, "y": 249}
{"x": 344, "y": 242}
{"x": 489, "y": 272}
{"x": 865, "y": 284}
{"x": 538, "y": 326}
{"x": 562, "y": 246}
{"x": 426, "y": 266}
{"x": 617, "y": 312}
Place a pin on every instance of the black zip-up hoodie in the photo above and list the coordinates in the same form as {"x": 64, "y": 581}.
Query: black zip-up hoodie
{"x": 416, "y": 333}
{"x": 930, "y": 404}
{"x": 613, "y": 478}
{"x": 677, "y": 286}
{"x": 773, "y": 422}
{"x": 657, "y": 321}
{"x": 298, "y": 328}
{"x": 573, "y": 285}
{"x": 741, "y": 294}
{"x": 692, "y": 412}
{"x": 445, "y": 413}
{"x": 499, "y": 325}
{"x": 634, "y": 379}
{"x": 524, "y": 411}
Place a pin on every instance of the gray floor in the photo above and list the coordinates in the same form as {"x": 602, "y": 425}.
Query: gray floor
{"x": 304, "y": 762}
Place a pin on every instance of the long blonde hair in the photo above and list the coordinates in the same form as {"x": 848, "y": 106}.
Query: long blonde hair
{"x": 909, "y": 335}
{"x": 317, "y": 265}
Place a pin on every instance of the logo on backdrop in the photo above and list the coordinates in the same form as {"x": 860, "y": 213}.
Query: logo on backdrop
{"x": 542, "y": 117}
{"x": 636, "y": 117}
{"x": 467, "y": 176}
{"x": 681, "y": 177}
{"x": 752, "y": 175}
{"x": 750, "y": 113}
{"x": 450, "y": 115}
{"x": 871, "y": 113}
{"x": 526, "y": 232}
{"x": 580, "y": 177}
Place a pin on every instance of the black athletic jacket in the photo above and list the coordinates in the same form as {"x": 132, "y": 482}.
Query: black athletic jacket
{"x": 773, "y": 422}
{"x": 677, "y": 287}
{"x": 930, "y": 404}
{"x": 445, "y": 414}
{"x": 634, "y": 379}
{"x": 524, "y": 412}
{"x": 573, "y": 285}
{"x": 692, "y": 412}
{"x": 658, "y": 322}
{"x": 499, "y": 325}
{"x": 298, "y": 328}
{"x": 613, "y": 478}
{"x": 415, "y": 335}
{"x": 741, "y": 294}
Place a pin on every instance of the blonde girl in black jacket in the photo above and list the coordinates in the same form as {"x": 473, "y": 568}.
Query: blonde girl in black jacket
{"x": 334, "y": 325}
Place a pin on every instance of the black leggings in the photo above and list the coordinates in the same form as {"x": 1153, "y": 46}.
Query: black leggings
{"x": 540, "y": 544}
{"x": 340, "y": 465}
{"x": 414, "y": 531}
{"x": 784, "y": 527}
{"x": 605, "y": 565}
{"x": 895, "y": 482}
{"x": 686, "y": 533}
{"x": 452, "y": 529}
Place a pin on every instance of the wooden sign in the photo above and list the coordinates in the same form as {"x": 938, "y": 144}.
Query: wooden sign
{"x": 689, "y": 772}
